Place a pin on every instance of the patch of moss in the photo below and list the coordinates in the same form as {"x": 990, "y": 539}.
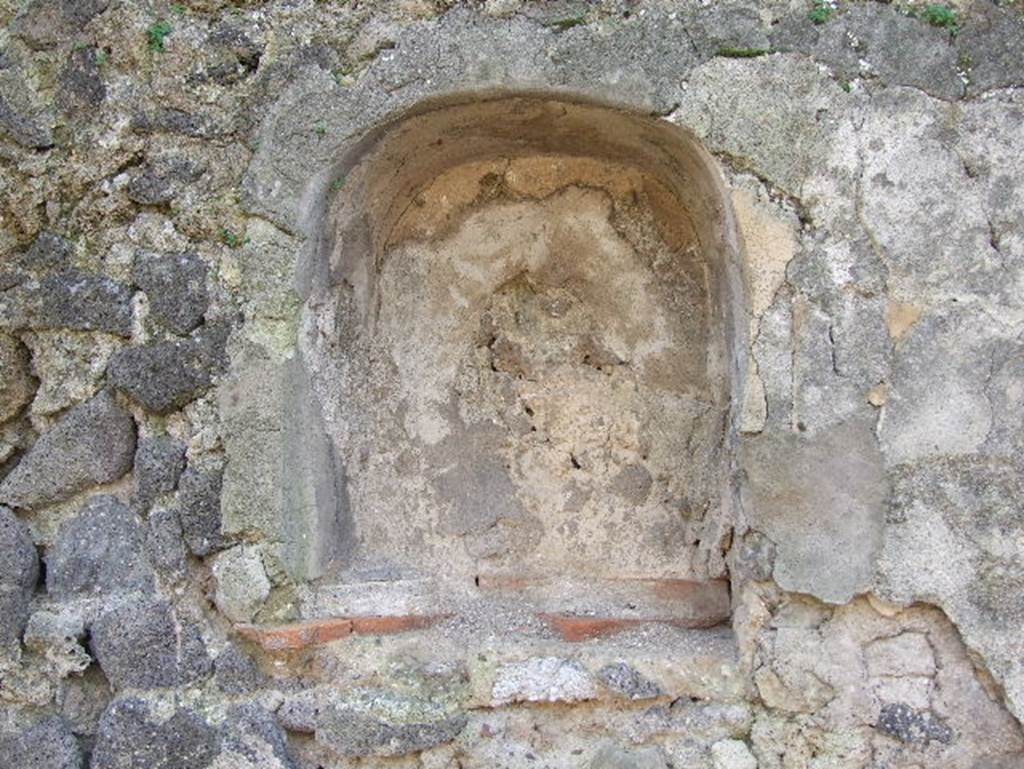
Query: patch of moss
{"x": 821, "y": 12}
{"x": 742, "y": 53}
{"x": 560, "y": 25}
{"x": 232, "y": 239}
{"x": 941, "y": 16}
{"x": 156, "y": 34}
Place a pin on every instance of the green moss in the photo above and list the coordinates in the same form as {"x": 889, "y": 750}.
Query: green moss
{"x": 821, "y": 12}
{"x": 561, "y": 25}
{"x": 742, "y": 53}
{"x": 941, "y": 16}
{"x": 231, "y": 239}
{"x": 156, "y": 34}
{"x": 337, "y": 184}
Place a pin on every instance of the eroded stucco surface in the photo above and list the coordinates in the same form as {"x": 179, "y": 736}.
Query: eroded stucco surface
{"x": 177, "y": 459}
{"x": 528, "y": 392}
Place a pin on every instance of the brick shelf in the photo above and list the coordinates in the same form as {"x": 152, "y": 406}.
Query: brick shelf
{"x": 572, "y": 611}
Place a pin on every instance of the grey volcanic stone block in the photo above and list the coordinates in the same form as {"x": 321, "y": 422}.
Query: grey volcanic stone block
{"x": 251, "y": 737}
{"x": 23, "y": 116}
{"x": 165, "y": 545}
{"x": 164, "y": 376}
{"x": 384, "y": 723}
{"x": 48, "y": 251}
{"x": 161, "y": 181}
{"x": 133, "y": 736}
{"x": 71, "y": 299}
{"x": 98, "y": 551}
{"x": 92, "y": 443}
{"x": 909, "y": 725}
{"x": 199, "y": 501}
{"x": 130, "y": 737}
{"x": 80, "y": 86}
{"x": 235, "y": 673}
{"x": 47, "y": 23}
{"x": 158, "y": 464}
{"x": 176, "y": 287}
{"x": 16, "y": 383}
{"x": 47, "y": 745}
{"x": 142, "y": 645}
{"x": 19, "y": 570}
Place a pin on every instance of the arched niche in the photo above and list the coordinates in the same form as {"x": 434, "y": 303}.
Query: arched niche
{"x": 523, "y": 325}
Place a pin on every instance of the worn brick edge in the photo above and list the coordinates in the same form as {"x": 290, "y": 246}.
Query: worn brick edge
{"x": 299, "y": 635}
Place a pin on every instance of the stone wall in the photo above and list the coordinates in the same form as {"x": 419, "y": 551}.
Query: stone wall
{"x": 182, "y": 483}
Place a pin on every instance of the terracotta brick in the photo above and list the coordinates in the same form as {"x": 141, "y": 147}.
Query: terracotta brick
{"x": 585, "y": 628}
{"x": 300, "y": 635}
{"x": 572, "y": 628}
{"x": 390, "y": 625}
{"x": 297, "y": 635}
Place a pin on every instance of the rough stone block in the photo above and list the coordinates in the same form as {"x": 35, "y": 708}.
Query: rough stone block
{"x": 160, "y": 182}
{"x": 253, "y": 740}
{"x": 80, "y": 84}
{"x": 93, "y": 443}
{"x": 905, "y": 724}
{"x": 176, "y": 287}
{"x": 164, "y": 376}
{"x": 100, "y": 550}
{"x": 236, "y": 673}
{"x": 159, "y": 461}
{"x": 991, "y": 43}
{"x": 891, "y": 45}
{"x": 19, "y": 571}
{"x": 16, "y": 383}
{"x": 165, "y": 544}
{"x": 199, "y": 501}
{"x": 49, "y": 251}
{"x": 44, "y": 24}
{"x": 24, "y": 116}
{"x": 68, "y": 299}
{"x": 382, "y": 723}
{"x": 131, "y": 737}
{"x": 141, "y": 644}
{"x": 47, "y": 745}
